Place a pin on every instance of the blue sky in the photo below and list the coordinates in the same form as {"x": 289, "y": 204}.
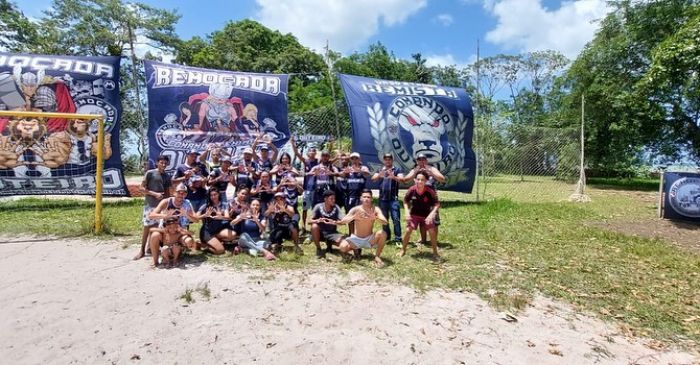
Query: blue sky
{"x": 444, "y": 31}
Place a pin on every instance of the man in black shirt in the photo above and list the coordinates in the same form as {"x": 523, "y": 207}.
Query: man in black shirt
{"x": 389, "y": 204}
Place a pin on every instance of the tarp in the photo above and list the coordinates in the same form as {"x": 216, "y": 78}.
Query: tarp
{"x": 58, "y": 156}
{"x": 682, "y": 196}
{"x": 407, "y": 119}
{"x": 191, "y": 108}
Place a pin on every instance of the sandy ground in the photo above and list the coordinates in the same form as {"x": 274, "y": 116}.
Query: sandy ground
{"x": 70, "y": 301}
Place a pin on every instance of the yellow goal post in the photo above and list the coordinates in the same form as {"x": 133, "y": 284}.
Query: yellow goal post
{"x": 100, "y": 149}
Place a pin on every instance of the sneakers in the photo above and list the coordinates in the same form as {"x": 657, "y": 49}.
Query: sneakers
{"x": 357, "y": 253}
{"x": 398, "y": 242}
{"x": 320, "y": 254}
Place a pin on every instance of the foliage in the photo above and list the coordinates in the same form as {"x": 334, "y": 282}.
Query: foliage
{"x": 16, "y": 31}
{"x": 637, "y": 78}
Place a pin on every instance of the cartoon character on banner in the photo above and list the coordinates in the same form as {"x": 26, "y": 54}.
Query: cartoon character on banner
{"x": 419, "y": 125}
{"x": 30, "y": 151}
{"x": 44, "y": 93}
{"x": 216, "y": 111}
{"x": 247, "y": 125}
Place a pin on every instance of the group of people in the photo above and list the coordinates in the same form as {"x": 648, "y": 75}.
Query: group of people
{"x": 263, "y": 211}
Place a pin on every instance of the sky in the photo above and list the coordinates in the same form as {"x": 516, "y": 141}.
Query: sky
{"x": 445, "y": 32}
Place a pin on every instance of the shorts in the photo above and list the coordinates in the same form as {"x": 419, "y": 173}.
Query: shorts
{"x": 331, "y": 237}
{"x": 148, "y": 222}
{"x": 359, "y": 242}
{"x": 307, "y": 200}
{"x": 417, "y": 221}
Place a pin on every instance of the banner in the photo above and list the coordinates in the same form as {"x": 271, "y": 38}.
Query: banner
{"x": 682, "y": 196}
{"x": 407, "y": 119}
{"x": 192, "y": 108}
{"x": 55, "y": 155}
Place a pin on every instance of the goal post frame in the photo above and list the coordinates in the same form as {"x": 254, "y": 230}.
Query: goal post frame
{"x": 100, "y": 149}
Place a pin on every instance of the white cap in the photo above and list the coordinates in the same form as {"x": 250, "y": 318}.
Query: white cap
{"x": 248, "y": 150}
{"x": 354, "y": 154}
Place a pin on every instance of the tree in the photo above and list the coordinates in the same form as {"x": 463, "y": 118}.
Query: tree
{"x": 626, "y": 115}
{"x": 16, "y": 31}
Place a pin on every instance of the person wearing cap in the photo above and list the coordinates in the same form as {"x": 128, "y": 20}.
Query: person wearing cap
{"x": 390, "y": 177}
{"x": 155, "y": 187}
{"x": 222, "y": 177}
{"x": 213, "y": 156}
{"x": 245, "y": 169}
{"x": 363, "y": 235}
{"x": 264, "y": 160}
{"x": 434, "y": 177}
{"x": 323, "y": 224}
{"x": 283, "y": 227}
{"x": 356, "y": 176}
{"x": 323, "y": 177}
{"x": 194, "y": 175}
{"x": 307, "y": 200}
{"x": 421, "y": 205}
{"x": 176, "y": 206}
{"x": 168, "y": 242}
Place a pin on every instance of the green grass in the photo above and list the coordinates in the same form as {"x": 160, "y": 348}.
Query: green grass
{"x": 506, "y": 250}
{"x": 640, "y": 184}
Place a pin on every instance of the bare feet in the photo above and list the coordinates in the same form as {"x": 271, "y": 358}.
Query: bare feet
{"x": 401, "y": 253}
{"x": 270, "y": 257}
{"x": 139, "y": 255}
{"x": 378, "y": 262}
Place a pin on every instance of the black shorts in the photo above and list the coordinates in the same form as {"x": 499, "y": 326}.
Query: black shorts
{"x": 331, "y": 237}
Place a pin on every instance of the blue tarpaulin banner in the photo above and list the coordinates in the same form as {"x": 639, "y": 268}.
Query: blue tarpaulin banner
{"x": 191, "y": 108}
{"x": 682, "y": 196}
{"x": 54, "y": 155}
{"x": 407, "y": 119}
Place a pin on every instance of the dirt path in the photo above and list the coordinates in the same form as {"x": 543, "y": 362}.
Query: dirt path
{"x": 81, "y": 302}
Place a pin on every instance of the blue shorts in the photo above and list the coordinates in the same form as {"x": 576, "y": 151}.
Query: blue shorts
{"x": 307, "y": 200}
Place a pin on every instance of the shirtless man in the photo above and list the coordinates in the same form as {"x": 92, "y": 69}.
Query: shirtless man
{"x": 176, "y": 207}
{"x": 171, "y": 237}
{"x": 364, "y": 216}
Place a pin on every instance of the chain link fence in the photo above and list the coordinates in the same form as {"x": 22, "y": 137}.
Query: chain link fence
{"x": 522, "y": 163}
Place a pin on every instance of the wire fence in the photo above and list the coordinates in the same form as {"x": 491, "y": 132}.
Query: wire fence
{"x": 523, "y": 163}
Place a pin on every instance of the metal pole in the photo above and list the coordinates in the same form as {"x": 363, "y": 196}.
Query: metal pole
{"x": 136, "y": 79}
{"x": 330, "y": 80}
{"x": 98, "y": 173}
{"x": 476, "y": 130}
{"x": 582, "y": 174}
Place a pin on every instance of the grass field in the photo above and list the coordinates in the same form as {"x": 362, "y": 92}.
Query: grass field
{"x": 530, "y": 241}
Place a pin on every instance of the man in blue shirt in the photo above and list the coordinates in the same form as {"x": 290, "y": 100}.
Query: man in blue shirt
{"x": 389, "y": 204}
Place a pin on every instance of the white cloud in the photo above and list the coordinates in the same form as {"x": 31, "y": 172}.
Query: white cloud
{"x": 448, "y": 59}
{"x": 526, "y": 25}
{"x": 346, "y": 25}
{"x": 445, "y": 19}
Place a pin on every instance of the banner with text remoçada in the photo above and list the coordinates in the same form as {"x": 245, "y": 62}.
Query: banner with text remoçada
{"x": 407, "y": 119}
{"x": 193, "y": 108}
{"x": 56, "y": 155}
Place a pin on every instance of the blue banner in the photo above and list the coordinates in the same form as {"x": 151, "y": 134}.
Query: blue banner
{"x": 407, "y": 119}
{"x": 192, "y": 108}
{"x": 55, "y": 155}
{"x": 682, "y": 196}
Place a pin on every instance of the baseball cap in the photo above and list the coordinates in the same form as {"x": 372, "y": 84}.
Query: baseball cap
{"x": 248, "y": 150}
{"x": 181, "y": 187}
{"x": 421, "y": 155}
{"x": 192, "y": 152}
{"x": 354, "y": 154}
{"x": 279, "y": 195}
{"x": 388, "y": 155}
{"x": 264, "y": 148}
{"x": 225, "y": 159}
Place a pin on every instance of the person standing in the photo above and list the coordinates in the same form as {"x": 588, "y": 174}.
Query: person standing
{"x": 421, "y": 205}
{"x": 434, "y": 177}
{"x": 389, "y": 204}
{"x": 221, "y": 177}
{"x": 193, "y": 174}
{"x": 246, "y": 170}
{"x": 155, "y": 187}
{"x": 307, "y": 199}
